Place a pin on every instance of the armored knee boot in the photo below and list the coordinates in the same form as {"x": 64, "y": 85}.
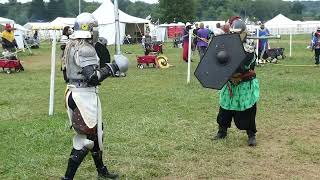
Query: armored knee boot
{"x": 103, "y": 172}
{"x": 222, "y": 133}
{"x": 76, "y": 157}
{"x": 251, "y": 138}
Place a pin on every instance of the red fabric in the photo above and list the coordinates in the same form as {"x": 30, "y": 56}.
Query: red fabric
{"x": 230, "y": 90}
{"x": 185, "y": 50}
{"x": 233, "y": 18}
{"x": 226, "y": 28}
{"x": 7, "y": 27}
{"x": 248, "y": 75}
{"x": 157, "y": 48}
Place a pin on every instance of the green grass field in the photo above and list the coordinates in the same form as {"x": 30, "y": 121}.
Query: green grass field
{"x": 159, "y": 127}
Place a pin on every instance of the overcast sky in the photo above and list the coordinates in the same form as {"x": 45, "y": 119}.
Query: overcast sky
{"x": 148, "y": 1}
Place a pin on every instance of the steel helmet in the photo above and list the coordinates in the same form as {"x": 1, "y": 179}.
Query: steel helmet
{"x": 237, "y": 25}
{"x": 84, "y": 26}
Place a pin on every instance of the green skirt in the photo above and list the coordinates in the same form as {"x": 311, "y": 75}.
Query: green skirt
{"x": 244, "y": 95}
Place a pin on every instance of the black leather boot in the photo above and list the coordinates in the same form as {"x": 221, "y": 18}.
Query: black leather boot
{"x": 76, "y": 157}
{"x": 222, "y": 133}
{"x": 251, "y": 138}
{"x": 103, "y": 172}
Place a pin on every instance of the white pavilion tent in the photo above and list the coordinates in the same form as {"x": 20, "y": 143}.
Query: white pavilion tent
{"x": 128, "y": 24}
{"x": 281, "y": 25}
{"x": 6, "y": 20}
{"x": 61, "y": 22}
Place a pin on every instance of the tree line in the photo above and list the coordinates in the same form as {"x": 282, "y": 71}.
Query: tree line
{"x": 166, "y": 10}
{"x": 254, "y": 10}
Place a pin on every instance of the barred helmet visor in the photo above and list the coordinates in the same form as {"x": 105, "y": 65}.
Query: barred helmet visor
{"x": 238, "y": 26}
{"x": 84, "y": 26}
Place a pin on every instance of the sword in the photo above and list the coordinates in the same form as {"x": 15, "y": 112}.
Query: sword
{"x": 264, "y": 37}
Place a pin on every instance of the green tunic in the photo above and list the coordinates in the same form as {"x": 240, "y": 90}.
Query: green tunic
{"x": 245, "y": 95}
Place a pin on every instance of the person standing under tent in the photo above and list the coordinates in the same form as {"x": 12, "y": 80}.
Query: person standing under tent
{"x": 81, "y": 97}
{"x": 315, "y": 44}
{"x": 239, "y": 95}
{"x": 203, "y": 39}
{"x": 8, "y": 41}
{"x": 186, "y": 42}
{"x": 35, "y": 35}
{"x": 263, "y": 45}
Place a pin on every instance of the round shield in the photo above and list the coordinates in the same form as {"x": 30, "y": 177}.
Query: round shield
{"x": 162, "y": 62}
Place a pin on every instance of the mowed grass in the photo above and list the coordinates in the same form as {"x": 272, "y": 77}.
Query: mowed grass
{"x": 159, "y": 127}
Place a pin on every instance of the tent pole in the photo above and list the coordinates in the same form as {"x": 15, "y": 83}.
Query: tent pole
{"x": 290, "y": 44}
{"x": 257, "y": 47}
{"x": 117, "y": 24}
{"x": 189, "y": 56}
{"x": 79, "y": 6}
{"x": 53, "y": 73}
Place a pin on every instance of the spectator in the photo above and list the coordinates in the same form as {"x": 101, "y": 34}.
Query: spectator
{"x": 203, "y": 38}
{"x": 315, "y": 44}
{"x": 147, "y": 43}
{"x": 263, "y": 45}
{"x": 66, "y": 32}
{"x": 35, "y": 35}
{"x": 195, "y": 40}
{"x": 209, "y": 31}
{"x": 218, "y": 30}
{"x": 8, "y": 41}
{"x": 186, "y": 42}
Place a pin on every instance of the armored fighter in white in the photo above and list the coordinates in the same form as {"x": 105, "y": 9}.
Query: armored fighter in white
{"x": 82, "y": 100}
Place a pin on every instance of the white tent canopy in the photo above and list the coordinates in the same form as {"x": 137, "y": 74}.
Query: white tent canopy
{"x": 44, "y": 29}
{"x": 158, "y": 32}
{"x": 106, "y": 19}
{"x": 21, "y": 28}
{"x": 105, "y": 15}
{"x": 61, "y": 22}
{"x": 37, "y": 25}
{"x": 281, "y": 25}
{"x": 6, "y": 20}
{"x": 280, "y": 20}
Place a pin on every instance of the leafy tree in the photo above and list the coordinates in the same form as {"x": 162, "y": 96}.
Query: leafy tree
{"x": 56, "y": 8}
{"x": 178, "y": 10}
{"x": 3, "y": 10}
{"x": 90, "y": 7}
{"x": 166, "y": 10}
{"x": 297, "y": 8}
{"x": 13, "y": 2}
{"x": 37, "y": 10}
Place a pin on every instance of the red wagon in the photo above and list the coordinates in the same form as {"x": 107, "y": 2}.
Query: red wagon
{"x": 11, "y": 65}
{"x": 146, "y": 60}
{"x": 156, "y": 61}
